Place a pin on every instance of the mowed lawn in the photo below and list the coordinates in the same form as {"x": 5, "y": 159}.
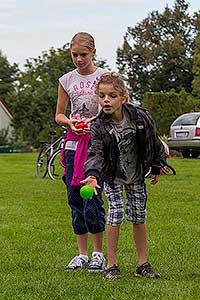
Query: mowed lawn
{"x": 37, "y": 240}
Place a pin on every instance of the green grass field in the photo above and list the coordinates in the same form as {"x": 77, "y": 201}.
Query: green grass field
{"x": 37, "y": 240}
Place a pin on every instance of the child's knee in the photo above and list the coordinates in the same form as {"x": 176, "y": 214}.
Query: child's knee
{"x": 115, "y": 220}
{"x": 137, "y": 218}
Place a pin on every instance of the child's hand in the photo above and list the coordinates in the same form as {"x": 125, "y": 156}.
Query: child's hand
{"x": 154, "y": 179}
{"x": 91, "y": 181}
{"x": 82, "y": 127}
{"x": 79, "y": 131}
{"x": 72, "y": 123}
{"x": 164, "y": 170}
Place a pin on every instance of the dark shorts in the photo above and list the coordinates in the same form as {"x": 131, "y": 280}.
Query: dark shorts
{"x": 88, "y": 215}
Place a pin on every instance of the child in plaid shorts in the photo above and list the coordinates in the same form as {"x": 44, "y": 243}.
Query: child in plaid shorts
{"x": 117, "y": 155}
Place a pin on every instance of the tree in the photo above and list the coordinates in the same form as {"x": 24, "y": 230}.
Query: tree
{"x": 8, "y": 75}
{"x": 156, "y": 55}
{"x": 4, "y": 140}
{"x": 196, "y": 62}
{"x": 34, "y": 99}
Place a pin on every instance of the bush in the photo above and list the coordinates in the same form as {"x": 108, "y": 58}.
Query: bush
{"x": 165, "y": 108}
{"x": 4, "y": 140}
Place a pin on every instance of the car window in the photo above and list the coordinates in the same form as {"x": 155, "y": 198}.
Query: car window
{"x": 187, "y": 120}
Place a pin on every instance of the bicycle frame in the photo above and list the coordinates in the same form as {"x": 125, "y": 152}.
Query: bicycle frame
{"x": 46, "y": 152}
{"x": 51, "y": 148}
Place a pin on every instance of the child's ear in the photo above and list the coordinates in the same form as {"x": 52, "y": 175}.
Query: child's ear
{"x": 94, "y": 51}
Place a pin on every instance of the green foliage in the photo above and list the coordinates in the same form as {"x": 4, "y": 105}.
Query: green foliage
{"x": 8, "y": 75}
{"x": 33, "y": 102}
{"x": 37, "y": 239}
{"x": 166, "y": 107}
{"x": 157, "y": 53}
{"x": 45, "y": 135}
{"x": 4, "y": 140}
{"x": 19, "y": 139}
{"x": 102, "y": 63}
{"x": 196, "y": 68}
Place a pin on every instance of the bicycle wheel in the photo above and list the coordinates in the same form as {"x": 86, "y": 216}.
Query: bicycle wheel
{"x": 55, "y": 169}
{"x": 41, "y": 163}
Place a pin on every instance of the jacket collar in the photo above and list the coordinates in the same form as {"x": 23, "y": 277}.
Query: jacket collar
{"x": 129, "y": 108}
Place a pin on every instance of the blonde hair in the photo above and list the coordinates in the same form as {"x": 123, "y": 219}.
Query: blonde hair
{"x": 117, "y": 81}
{"x": 83, "y": 39}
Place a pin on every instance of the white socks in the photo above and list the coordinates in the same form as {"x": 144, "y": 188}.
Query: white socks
{"x": 97, "y": 253}
{"x": 85, "y": 257}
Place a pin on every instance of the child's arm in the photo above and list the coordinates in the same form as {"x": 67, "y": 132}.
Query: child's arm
{"x": 62, "y": 103}
{"x": 155, "y": 149}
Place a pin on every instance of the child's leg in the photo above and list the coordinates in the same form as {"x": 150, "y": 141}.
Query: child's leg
{"x": 97, "y": 241}
{"x": 94, "y": 214}
{"x": 114, "y": 219}
{"x": 136, "y": 213}
{"x": 139, "y": 233}
{"x": 144, "y": 268}
{"x": 112, "y": 243}
{"x": 82, "y": 242}
{"x": 77, "y": 207}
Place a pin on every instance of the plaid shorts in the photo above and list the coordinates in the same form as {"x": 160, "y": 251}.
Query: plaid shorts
{"x": 136, "y": 198}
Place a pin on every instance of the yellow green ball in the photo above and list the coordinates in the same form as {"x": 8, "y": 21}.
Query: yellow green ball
{"x": 86, "y": 192}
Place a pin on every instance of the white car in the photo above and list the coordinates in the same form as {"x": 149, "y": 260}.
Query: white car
{"x": 185, "y": 135}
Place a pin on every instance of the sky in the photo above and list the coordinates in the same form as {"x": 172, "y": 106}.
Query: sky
{"x": 29, "y": 27}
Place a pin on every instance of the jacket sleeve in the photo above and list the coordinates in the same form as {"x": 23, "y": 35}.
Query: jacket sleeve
{"x": 155, "y": 149}
{"x": 95, "y": 157}
{"x": 157, "y": 159}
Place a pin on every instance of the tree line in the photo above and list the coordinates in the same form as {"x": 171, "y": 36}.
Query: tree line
{"x": 160, "y": 59}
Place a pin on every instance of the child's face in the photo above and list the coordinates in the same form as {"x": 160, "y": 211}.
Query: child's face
{"x": 82, "y": 56}
{"x": 111, "y": 101}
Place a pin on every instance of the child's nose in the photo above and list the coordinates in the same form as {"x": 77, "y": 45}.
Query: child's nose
{"x": 107, "y": 98}
{"x": 79, "y": 58}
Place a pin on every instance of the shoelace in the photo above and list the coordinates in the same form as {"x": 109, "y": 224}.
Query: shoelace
{"x": 96, "y": 258}
{"x": 78, "y": 260}
{"x": 147, "y": 269}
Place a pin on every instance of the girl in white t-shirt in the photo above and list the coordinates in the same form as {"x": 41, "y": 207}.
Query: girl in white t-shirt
{"x": 78, "y": 88}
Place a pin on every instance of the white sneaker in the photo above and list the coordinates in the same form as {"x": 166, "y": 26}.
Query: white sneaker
{"x": 77, "y": 262}
{"x": 97, "y": 263}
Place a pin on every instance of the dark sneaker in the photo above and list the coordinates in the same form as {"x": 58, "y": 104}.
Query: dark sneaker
{"x": 146, "y": 270}
{"x": 112, "y": 272}
{"x": 97, "y": 263}
{"x": 77, "y": 262}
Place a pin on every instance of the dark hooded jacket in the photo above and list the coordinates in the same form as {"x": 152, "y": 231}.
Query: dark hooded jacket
{"x": 103, "y": 153}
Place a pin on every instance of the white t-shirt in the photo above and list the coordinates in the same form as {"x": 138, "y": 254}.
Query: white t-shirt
{"x": 81, "y": 91}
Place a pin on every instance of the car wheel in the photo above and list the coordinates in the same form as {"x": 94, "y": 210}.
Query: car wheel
{"x": 190, "y": 154}
{"x": 186, "y": 154}
{"x": 194, "y": 154}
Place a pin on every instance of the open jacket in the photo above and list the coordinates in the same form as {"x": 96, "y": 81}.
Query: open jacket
{"x": 103, "y": 153}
